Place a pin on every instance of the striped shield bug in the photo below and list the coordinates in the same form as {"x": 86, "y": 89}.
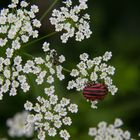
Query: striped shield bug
{"x": 94, "y": 91}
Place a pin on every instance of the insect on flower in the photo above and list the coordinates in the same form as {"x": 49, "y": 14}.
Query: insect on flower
{"x": 54, "y": 57}
{"x": 94, "y": 91}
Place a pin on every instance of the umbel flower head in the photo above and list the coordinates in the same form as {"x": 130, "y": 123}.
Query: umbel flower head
{"x": 12, "y": 76}
{"x": 13, "y": 73}
{"x": 70, "y": 20}
{"x": 17, "y": 125}
{"x": 93, "y": 71}
{"x": 17, "y": 26}
{"x": 110, "y": 132}
{"x": 93, "y": 77}
{"x": 50, "y": 116}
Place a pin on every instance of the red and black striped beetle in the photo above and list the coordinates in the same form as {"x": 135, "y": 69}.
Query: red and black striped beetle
{"x": 94, "y": 91}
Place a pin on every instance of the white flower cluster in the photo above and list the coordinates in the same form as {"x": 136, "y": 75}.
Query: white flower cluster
{"x": 17, "y": 26}
{"x": 46, "y": 69}
{"x": 13, "y": 74}
{"x": 70, "y": 20}
{"x": 17, "y": 125}
{"x": 50, "y": 115}
{"x": 110, "y": 132}
{"x": 93, "y": 71}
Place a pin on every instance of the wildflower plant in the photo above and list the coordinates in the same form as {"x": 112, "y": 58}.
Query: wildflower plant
{"x": 69, "y": 19}
{"x": 106, "y": 131}
{"x": 95, "y": 71}
{"x": 17, "y": 26}
{"x": 50, "y": 113}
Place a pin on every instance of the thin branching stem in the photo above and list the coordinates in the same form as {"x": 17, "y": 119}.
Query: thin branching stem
{"x": 41, "y": 38}
{"x": 48, "y": 10}
{"x": 66, "y": 70}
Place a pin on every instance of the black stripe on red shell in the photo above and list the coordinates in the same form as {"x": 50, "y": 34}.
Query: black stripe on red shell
{"x": 95, "y": 91}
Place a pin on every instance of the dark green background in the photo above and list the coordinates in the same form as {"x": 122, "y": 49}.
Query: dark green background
{"x": 116, "y": 27}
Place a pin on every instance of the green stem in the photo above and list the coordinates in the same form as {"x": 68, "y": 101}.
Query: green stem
{"x": 41, "y": 38}
{"x": 26, "y": 54}
{"x": 66, "y": 70}
{"x": 48, "y": 10}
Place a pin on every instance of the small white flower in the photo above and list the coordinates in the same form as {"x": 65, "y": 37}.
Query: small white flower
{"x": 50, "y": 79}
{"x": 57, "y": 123}
{"x": 67, "y": 121}
{"x": 93, "y": 104}
{"x": 61, "y": 58}
{"x": 74, "y": 73}
{"x": 15, "y": 1}
{"x": 64, "y": 102}
{"x": 64, "y": 134}
{"x": 24, "y": 38}
{"x": 92, "y": 132}
{"x": 41, "y": 135}
{"x": 107, "y": 56}
{"x": 9, "y": 52}
{"x": 97, "y": 60}
{"x": 81, "y": 65}
{"x": 36, "y": 23}
{"x": 93, "y": 76}
{"x": 110, "y": 70}
{"x": 73, "y": 108}
{"x": 118, "y": 122}
{"x": 34, "y": 8}
{"x": 28, "y": 106}
{"x": 52, "y": 132}
{"x": 84, "y": 57}
{"x": 71, "y": 85}
{"x": 53, "y": 99}
{"x": 48, "y": 115}
{"x": 46, "y": 47}
{"x": 7, "y": 73}
{"x": 31, "y": 118}
{"x": 24, "y": 4}
{"x": 112, "y": 89}
{"x": 16, "y": 45}
{"x": 127, "y": 135}
{"x": 49, "y": 91}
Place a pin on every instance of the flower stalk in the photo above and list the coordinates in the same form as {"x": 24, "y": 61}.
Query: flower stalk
{"x": 48, "y": 10}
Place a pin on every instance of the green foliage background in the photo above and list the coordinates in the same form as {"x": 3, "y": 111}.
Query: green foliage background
{"x": 115, "y": 26}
